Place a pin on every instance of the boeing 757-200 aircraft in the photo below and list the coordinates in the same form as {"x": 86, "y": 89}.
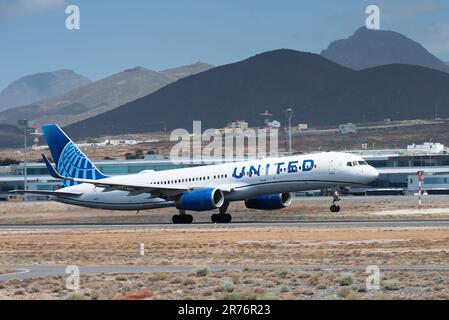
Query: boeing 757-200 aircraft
{"x": 262, "y": 184}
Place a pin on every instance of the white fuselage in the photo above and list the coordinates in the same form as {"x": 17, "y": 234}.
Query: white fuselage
{"x": 242, "y": 180}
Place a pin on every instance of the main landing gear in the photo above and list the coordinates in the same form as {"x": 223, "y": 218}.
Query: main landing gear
{"x": 182, "y": 218}
{"x": 335, "y": 198}
{"x": 222, "y": 216}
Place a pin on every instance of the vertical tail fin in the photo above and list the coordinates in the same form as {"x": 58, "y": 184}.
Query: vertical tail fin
{"x": 70, "y": 161}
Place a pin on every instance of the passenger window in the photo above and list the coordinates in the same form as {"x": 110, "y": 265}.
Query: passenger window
{"x": 349, "y": 164}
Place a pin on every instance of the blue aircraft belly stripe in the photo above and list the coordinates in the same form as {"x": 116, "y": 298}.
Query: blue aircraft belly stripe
{"x": 296, "y": 181}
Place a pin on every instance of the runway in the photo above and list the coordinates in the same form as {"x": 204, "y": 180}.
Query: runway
{"x": 249, "y": 224}
{"x": 37, "y": 271}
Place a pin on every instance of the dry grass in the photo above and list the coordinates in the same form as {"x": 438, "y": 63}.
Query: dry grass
{"x": 263, "y": 285}
{"x": 248, "y": 246}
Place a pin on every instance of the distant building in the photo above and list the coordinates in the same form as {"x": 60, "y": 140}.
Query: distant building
{"x": 302, "y": 126}
{"x": 121, "y": 142}
{"x": 238, "y": 124}
{"x": 347, "y": 128}
{"x": 274, "y": 124}
{"x": 427, "y": 147}
{"x": 432, "y": 183}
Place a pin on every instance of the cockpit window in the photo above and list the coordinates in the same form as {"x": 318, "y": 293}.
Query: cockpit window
{"x": 356, "y": 163}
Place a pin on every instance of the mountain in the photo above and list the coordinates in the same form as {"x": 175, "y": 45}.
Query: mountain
{"x": 319, "y": 90}
{"x": 99, "y": 96}
{"x": 10, "y": 136}
{"x": 90, "y": 100}
{"x": 39, "y": 86}
{"x": 185, "y": 71}
{"x": 372, "y": 48}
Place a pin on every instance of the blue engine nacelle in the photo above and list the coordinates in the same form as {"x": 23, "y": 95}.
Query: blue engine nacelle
{"x": 270, "y": 201}
{"x": 200, "y": 200}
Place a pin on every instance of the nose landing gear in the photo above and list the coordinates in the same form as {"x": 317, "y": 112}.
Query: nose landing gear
{"x": 222, "y": 216}
{"x": 335, "y": 199}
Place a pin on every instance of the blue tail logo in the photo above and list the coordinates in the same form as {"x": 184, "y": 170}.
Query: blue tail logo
{"x": 70, "y": 161}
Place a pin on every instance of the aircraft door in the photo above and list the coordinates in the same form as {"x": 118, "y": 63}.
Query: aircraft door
{"x": 332, "y": 167}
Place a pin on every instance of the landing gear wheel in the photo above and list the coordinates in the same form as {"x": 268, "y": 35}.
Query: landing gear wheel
{"x": 227, "y": 218}
{"x": 221, "y": 218}
{"x": 335, "y": 208}
{"x": 182, "y": 219}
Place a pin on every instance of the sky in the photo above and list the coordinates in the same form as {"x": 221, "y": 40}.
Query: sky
{"x": 159, "y": 34}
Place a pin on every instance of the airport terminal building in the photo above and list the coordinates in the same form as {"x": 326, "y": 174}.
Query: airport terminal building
{"x": 398, "y": 171}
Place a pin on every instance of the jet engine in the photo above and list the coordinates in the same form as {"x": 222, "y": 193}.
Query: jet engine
{"x": 200, "y": 200}
{"x": 270, "y": 201}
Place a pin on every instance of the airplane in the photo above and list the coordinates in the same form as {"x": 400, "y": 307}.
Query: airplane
{"x": 265, "y": 184}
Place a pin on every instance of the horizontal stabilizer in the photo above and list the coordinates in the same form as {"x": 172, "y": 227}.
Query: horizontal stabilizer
{"x": 50, "y": 168}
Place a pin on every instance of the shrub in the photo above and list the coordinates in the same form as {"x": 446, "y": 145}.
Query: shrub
{"x": 202, "y": 271}
{"x": 76, "y": 296}
{"x": 159, "y": 276}
{"x": 314, "y": 280}
{"x": 96, "y": 295}
{"x": 283, "y": 273}
{"x": 344, "y": 292}
{"x": 228, "y": 286}
{"x": 391, "y": 285}
{"x": 346, "y": 279}
{"x": 235, "y": 278}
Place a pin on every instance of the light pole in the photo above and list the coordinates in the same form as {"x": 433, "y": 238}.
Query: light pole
{"x": 290, "y": 115}
{"x": 24, "y": 123}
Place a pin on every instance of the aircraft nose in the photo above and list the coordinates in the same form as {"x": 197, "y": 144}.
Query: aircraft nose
{"x": 373, "y": 173}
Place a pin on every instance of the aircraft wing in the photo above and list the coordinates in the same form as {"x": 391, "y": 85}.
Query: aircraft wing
{"x": 163, "y": 191}
{"x": 47, "y": 193}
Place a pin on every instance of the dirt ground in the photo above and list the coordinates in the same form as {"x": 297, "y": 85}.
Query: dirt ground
{"x": 302, "y": 208}
{"x": 228, "y": 246}
{"x": 274, "y": 246}
{"x": 237, "y": 285}
{"x": 222, "y": 245}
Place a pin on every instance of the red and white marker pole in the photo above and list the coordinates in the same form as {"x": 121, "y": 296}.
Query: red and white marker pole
{"x": 420, "y": 183}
